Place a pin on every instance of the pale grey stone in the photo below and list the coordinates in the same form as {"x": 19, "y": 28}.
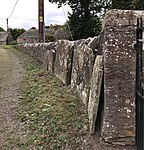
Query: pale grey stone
{"x": 83, "y": 61}
{"x": 95, "y": 89}
{"x": 63, "y": 60}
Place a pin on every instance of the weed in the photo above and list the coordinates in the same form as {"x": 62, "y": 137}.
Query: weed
{"x": 6, "y": 46}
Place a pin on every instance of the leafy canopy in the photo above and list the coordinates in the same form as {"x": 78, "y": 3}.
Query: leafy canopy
{"x": 128, "y": 4}
{"x": 16, "y": 32}
{"x": 85, "y": 18}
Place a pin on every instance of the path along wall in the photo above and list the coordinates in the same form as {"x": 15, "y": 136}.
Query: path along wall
{"x": 72, "y": 62}
{"x": 84, "y": 64}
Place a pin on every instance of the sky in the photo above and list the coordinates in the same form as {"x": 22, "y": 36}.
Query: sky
{"x": 26, "y": 13}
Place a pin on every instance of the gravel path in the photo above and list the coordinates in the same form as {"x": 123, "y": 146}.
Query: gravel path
{"x": 10, "y": 75}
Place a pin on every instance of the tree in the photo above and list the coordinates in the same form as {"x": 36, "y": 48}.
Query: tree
{"x": 122, "y": 4}
{"x": 128, "y": 4}
{"x": 84, "y": 26}
{"x": 87, "y": 15}
{"x": 33, "y": 28}
{"x": 139, "y": 4}
{"x": 85, "y": 18}
{"x": 1, "y": 29}
{"x": 16, "y": 32}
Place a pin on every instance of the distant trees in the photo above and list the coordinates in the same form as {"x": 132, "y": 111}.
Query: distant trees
{"x": 16, "y": 32}
{"x": 1, "y": 29}
{"x": 33, "y": 28}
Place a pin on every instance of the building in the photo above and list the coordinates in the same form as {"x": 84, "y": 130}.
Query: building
{"x": 3, "y": 37}
{"x": 32, "y": 36}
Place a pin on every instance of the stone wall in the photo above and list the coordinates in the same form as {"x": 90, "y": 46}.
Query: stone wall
{"x": 72, "y": 62}
{"x": 84, "y": 64}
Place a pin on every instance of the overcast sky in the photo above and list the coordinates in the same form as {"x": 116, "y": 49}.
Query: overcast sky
{"x": 26, "y": 13}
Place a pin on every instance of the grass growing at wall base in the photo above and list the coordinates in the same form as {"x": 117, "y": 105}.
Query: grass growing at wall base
{"x": 55, "y": 118}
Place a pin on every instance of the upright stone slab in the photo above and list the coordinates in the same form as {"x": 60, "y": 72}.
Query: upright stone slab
{"x": 95, "y": 90}
{"x": 39, "y": 52}
{"x": 49, "y": 56}
{"x": 50, "y": 60}
{"x": 82, "y": 71}
{"x": 63, "y": 60}
{"x": 119, "y": 76}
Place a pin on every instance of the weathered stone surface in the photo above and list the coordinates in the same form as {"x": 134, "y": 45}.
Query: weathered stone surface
{"x": 49, "y": 45}
{"x": 63, "y": 61}
{"x": 94, "y": 43}
{"x": 119, "y": 76}
{"x": 39, "y": 52}
{"x": 82, "y": 71}
{"x": 49, "y": 60}
{"x": 95, "y": 89}
{"x": 83, "y": 41}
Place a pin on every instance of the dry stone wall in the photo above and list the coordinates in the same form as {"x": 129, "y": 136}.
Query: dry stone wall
{"x": 72, "y": 62}
{"x": 86, "y": 64}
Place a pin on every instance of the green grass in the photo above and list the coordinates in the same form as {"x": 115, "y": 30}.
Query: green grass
{"x": 6, "y": 46}
{"x": 54, "y": 116}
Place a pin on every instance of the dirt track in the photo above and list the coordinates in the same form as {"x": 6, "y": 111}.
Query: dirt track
{"x": 10, "y": 75}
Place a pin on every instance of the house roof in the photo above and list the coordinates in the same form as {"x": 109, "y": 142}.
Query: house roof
{"x": 3, "y": 36}
{"x": 34, "y": 33}
{"x": 29, "y": 33}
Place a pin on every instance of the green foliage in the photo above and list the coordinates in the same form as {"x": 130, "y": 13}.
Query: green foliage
{"x": 6, "y": 46}
{"x": 139, "y": 4}
{"x": 122, "y": 4}
{"x": 84, "y": 26}
{"x": 33, "y": 28}
{"x": 129, "y": 4}
{"x": 16, "y": 32}
{"x": 49, "y": 38}
{"x": 1, "y": 29}
{"x": 84, "y": 21}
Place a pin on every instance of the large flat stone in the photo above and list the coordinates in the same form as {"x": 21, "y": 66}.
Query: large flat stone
{"x": 63, "y": 60}
{"x": 95, "y": 90}
{"x": 119, "y": 76}
{"x": 49, "y": 60}
{"x": 82, "y": 71}
{"x": 40, "y": 50}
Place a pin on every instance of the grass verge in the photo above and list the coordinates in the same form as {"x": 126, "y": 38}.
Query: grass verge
{"x": 54, "y": 116}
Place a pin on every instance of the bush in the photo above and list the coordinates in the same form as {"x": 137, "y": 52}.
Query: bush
{"x": 49, "y": 38}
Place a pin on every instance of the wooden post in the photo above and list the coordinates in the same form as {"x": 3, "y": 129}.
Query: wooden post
{"x": 41, "y": 20}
